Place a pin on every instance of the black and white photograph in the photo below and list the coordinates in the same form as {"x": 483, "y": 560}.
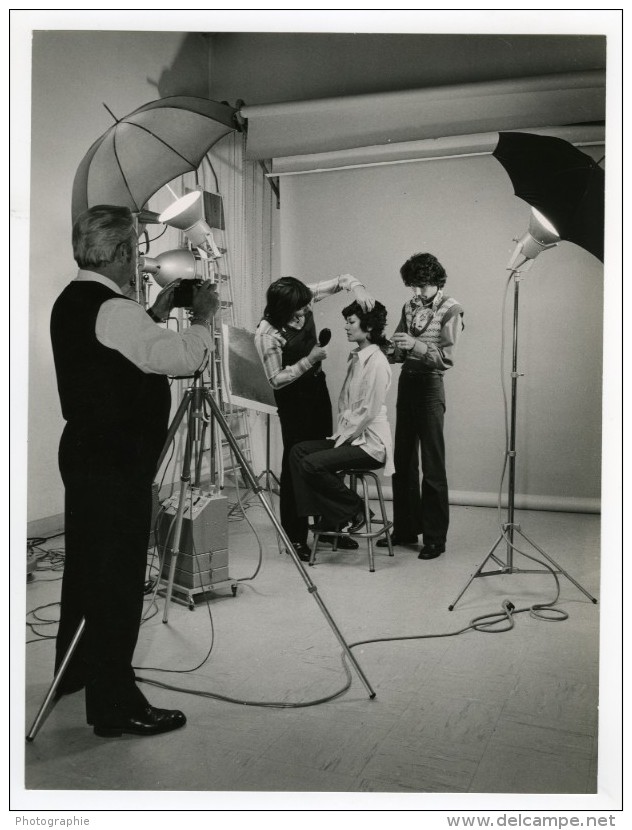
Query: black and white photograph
{"x": 333, "y": 521}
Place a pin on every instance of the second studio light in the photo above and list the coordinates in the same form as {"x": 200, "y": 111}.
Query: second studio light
{"x": 187, "y": 214}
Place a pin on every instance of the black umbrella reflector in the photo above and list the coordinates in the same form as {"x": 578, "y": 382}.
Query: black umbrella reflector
{"x": 560, "y": 181}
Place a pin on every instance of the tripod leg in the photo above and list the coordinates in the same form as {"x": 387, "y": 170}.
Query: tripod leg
{"x": 476, "y": 573}
{"x": 311, "y": 587}
{"x": 554, "y": 563}
{"x": 185, "y": 482}
{"x": 43, "y": 710}
{"x": 175, "y": 425}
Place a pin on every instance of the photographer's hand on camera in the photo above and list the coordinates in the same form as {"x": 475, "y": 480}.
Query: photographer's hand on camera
{"x": 205, "y": 304}
{"x": 164, "y": 303}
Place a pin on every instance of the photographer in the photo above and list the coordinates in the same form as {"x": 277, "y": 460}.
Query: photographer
{"x": 112, "y": 363}
{"x": 288, "y": 346}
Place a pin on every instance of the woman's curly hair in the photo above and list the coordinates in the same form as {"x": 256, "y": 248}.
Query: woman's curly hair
{"x": 373, "y": 322}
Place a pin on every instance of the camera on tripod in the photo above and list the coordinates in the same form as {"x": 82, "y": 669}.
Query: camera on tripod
{"x": 183, "y": 293}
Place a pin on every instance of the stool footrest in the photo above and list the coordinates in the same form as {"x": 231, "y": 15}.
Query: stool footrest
{"x": 369, "y": 533}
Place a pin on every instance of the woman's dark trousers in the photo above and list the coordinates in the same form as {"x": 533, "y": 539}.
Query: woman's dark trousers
{"x": 304, "y": 409}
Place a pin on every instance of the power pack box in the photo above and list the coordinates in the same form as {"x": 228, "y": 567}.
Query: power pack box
{"x": 203, "y": 579}
{"x": 204, "y": 524}
{"x": 202, "y": 552}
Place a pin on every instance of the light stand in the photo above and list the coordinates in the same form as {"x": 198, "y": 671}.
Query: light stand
{"x": 540, "y": 236}
{"x": 267, "y": 474}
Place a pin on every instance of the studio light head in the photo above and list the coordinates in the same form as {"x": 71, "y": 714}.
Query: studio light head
{"x": 540, "y": 236}
{"x": 187, "y": 214}
{"x": 179, "y": 264}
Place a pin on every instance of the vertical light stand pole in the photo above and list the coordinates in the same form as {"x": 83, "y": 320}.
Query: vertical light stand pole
{"x": 511, "y": 452}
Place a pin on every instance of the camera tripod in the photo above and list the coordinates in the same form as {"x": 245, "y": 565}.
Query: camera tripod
{"x": 192, "y": 406}
{"x": 510, "y": 528}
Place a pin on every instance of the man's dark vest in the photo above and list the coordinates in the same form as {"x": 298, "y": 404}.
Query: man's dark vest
{"x": 115, "y": 413}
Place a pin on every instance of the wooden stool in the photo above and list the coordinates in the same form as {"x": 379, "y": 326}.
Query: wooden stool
{"x": 368, "y": 532}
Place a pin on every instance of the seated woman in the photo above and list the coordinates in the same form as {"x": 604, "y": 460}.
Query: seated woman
{"x": 362, "y": 439}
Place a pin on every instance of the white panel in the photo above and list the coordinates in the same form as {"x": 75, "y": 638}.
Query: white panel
{"x": 358, "y": 121}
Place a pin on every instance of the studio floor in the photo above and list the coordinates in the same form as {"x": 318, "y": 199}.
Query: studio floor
{"x": 513, "y": 712}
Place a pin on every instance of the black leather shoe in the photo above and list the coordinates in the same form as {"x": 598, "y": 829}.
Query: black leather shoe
{"x": 395, "y": 540}
{"x": 150, "y": 721}
{"x": 303, "y": 551}
{"x": 356, "y": 524}
{"x": 431, "y": 551}
{"x": 343, "y": 542}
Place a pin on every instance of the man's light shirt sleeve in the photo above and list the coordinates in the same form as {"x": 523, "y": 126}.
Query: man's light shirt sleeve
{"x": 126, "y": 327}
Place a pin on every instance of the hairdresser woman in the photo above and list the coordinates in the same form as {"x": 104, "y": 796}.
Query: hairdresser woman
{"x": 287, "y": 343}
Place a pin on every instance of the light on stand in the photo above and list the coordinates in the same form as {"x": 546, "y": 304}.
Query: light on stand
{"x": 170, "y": 265}
{"x": 187, "y": 214}
{"x": 540, "y": 235}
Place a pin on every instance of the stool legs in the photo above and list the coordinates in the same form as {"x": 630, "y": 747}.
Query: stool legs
{"x": 369, "y": 533}
{"x": 380, "y": 497}
{"x": 367, "y": 519}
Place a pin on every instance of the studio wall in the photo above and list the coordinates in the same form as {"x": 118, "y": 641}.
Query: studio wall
{"x": 367, "y": 221}
{"x": 363, "y": 221}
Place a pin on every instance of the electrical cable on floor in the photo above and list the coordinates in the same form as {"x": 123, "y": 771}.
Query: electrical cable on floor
{"x": 208, "y": 605}
{"x": 484, "y": 623}
{"x": 39, "y": 621}
{"x": 47, "y": 560}
{"x": 493, "y": 623}
{"x": 252, "y": 527}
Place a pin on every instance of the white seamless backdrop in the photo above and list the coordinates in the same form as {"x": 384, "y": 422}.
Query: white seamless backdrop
{"x": 367, "y": 221}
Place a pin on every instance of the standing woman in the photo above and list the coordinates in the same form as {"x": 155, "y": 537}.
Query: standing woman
{"x": 287, "y": 343}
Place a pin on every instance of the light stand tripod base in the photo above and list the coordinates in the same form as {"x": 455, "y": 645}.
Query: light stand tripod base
{"x": 509, "y": 568}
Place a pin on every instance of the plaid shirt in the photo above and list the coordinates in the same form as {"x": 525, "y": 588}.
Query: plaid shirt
{"x": 270, "y": 342}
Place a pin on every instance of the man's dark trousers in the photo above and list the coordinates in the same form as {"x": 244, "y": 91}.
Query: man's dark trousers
{"x": 108, "y": 515}
{"x": 420, "y": 417}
